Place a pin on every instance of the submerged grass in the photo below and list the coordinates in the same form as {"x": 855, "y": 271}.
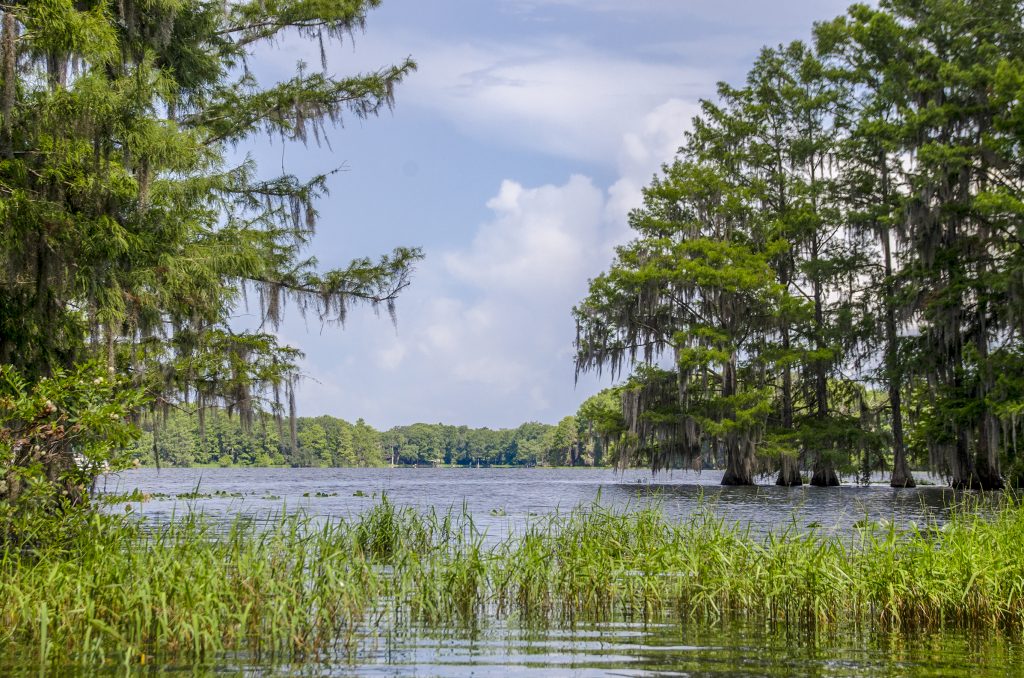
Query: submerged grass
{"x": 297, "y": 588}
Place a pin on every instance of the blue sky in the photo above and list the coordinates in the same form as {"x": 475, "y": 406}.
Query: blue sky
{"x": 512, "y": 157}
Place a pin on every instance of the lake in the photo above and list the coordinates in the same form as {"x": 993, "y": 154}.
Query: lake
{"x": 504, "y": 500}
{"x": 501, "y": 499}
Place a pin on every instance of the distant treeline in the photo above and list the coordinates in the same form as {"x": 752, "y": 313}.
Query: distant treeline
{"x": 329, "y": 441}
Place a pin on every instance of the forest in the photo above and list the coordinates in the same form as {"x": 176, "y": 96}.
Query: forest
{"x": 327, "y": 441}
{"x": 133, "y": 236}
{"x": 828, "y": 276}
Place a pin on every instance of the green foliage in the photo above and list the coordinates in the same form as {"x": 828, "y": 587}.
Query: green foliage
{"x": 431, "y": 444}
{"x": 301, "y": 589}
{"x": 563, "y": 445}
{"x": 127, "y": 235}
{"x": 851, "y": 213}
{"x": 56, "y": 435}
{"x": 325, "y": 441}
{"x": 932, "y": 79}
{"x": 602, "y": 425}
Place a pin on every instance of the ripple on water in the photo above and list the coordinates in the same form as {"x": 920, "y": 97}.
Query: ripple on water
{"x": 669, "y": 649}
{"x": 502, "y": 499}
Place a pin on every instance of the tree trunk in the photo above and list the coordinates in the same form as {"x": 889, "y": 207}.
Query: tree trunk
{"x": 156, "y": 443}
{"x": 789, "y": 471}
{"x": 789, "y": 475}
{"x": 9, "y": 58}
{"x": 986, "y": 460}
{"x": 739, "y": 450}
{"x": 901, "y": 475}
{"x": 824, "y": 469}
{"x": 739, "y": 467}
{"x": 986, "y": 474}
{"x": 735, "y": 478}
{"x": 824, "y": 474}
{"x": 961, "y": 466}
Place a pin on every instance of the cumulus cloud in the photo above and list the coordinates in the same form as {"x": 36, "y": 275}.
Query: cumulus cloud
{"x": 485, "y": 334}
{"x": 644, "y": 150}
{"x": 518, "y": 279}
{"x": 540, "y": 239}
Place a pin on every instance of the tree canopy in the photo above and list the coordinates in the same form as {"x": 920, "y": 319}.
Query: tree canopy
{"x": 127, "y": 234}
{"x": 846, "y": 224}
{"x": 326, "y": 441}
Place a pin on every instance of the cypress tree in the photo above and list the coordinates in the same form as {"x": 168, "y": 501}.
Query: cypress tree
{"x": 931, "y": 73}
{"x": 127, "y": 234}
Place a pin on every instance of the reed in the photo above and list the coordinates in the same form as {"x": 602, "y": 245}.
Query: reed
{"x": 296, "y": 588}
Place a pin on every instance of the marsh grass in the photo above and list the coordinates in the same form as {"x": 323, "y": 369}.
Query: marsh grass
{"x": 298, "y": 589}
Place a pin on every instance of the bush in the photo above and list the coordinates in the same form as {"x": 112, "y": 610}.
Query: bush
{"x": 57, "y": 435}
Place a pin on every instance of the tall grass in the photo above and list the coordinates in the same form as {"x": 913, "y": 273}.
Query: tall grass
{"x": 298, "y": 588}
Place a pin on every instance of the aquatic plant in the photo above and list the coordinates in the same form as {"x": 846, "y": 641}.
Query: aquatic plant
{"x": 295, "y": 587}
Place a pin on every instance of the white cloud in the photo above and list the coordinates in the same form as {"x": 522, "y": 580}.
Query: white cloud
{"x": 519, "y": 277}
{"x": 558, "y": 97}
{"x": 554, "y": 95}
{"x": 657, "y": 137}
{"x": 539, "y": 241}
{"x": 644, "y": 150}
{"x": 485, "y": 333}
{"x": 391, "y": 357}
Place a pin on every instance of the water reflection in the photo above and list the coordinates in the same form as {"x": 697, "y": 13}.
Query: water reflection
{"x": 504, "y": 500}
{"x": 668, "y": 649}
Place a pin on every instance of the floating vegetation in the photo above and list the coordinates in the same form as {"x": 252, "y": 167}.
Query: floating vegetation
{"x": 139, "y": 496}
{"x": 299, "y": 588}
{"x": 134, "y": 496}
{"x": 193, "y": 495}
{"x": 320, "y": 495}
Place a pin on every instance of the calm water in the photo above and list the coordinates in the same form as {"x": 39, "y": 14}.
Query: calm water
{"x": 624, "y": 649}
{"x": 501, "y": 500}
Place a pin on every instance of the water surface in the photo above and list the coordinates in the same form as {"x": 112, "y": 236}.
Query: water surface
{"x": 503, "y": 500}
{"x": 500, "y": 499}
